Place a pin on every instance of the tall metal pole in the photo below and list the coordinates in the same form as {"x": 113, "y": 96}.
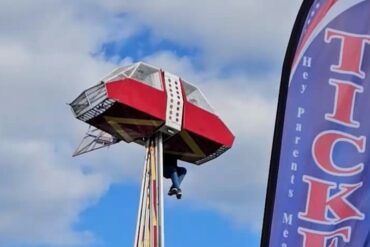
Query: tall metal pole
{"x": 159, "y": 147}
{"x": 142, "y": 203}
{"x": 150, "y": 219}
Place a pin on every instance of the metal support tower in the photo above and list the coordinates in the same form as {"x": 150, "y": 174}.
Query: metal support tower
{"x": 150, "y": 219}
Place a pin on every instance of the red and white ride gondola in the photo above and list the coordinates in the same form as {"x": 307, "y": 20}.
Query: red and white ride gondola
{"x": 146, "y": 105}
{"x": 134, "y": 102}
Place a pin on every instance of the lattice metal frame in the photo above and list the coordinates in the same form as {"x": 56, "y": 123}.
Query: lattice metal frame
{"x": 94, "y": 139}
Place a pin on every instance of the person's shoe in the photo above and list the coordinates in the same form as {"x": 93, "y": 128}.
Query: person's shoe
{"x": 172, "y": 191}
{"x": 178, "y": 194}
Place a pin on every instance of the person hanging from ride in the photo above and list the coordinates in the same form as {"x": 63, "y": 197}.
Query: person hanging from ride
{"x": 175, "y": 173}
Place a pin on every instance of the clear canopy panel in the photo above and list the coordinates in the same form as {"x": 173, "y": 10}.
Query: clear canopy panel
{"x": 196, "y": 97}
{"x": 142, "y": 72}
{"x": 151, "y": 76}
{"x": 119, "y": 73}
{"x": 147, "y": 74}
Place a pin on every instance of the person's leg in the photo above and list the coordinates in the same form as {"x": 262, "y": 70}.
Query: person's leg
{"x": 168, "y": 172}
{"x": 175, "y": 178}
{"x": 177, "y": 175}
{"x": 170, "y": 169}
{"x": 181, "y": 172}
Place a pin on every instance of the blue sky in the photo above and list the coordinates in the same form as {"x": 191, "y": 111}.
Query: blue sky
{"x": 231, "y": 51}
{"x": 143, "y": 44}
{"x": 113, "y": 221}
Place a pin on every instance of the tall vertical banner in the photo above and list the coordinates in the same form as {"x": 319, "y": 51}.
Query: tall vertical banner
{"x": 319, "y": 183}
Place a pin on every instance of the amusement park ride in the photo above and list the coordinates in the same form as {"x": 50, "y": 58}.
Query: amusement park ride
{"x": 169, "y": 116}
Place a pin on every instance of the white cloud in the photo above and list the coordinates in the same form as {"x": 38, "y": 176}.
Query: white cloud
{"x": 46, "y": 61}
{"x": 46, "y": 49}
{"x": 224, "y": 31}
{"x": 41, "y": 196}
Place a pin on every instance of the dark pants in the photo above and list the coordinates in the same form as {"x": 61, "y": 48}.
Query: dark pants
{"x": 173, "y": 172}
